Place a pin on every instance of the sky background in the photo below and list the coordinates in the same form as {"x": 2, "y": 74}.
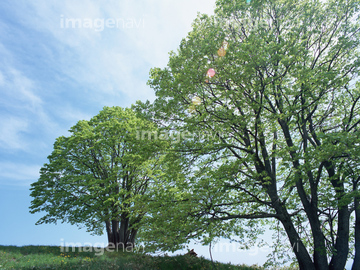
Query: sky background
{"x": 53, "y": 75}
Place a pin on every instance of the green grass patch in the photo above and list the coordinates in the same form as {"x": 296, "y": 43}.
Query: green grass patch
{"x": 52, "y": 257}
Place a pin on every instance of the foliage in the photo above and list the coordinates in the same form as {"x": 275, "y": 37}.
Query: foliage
{"x": 273, "y": 135}
{"x": 96, "y": 176}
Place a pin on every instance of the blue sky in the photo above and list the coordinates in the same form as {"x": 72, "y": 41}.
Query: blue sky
{"x": 52, "y": 75}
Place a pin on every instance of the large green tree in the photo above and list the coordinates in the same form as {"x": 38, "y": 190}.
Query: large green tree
{"x": 269, "y": 90}
{"x": 98, "y": 175}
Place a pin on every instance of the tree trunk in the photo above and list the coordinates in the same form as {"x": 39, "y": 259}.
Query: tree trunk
{"x": 115, "y": 233}
{"x": 338, "y": 260}
{"x": 132, "y": 237}
{"x": 356, "y": 263}
{"x": 127, "y": 235}
{"x": 320, "y": 258}
{"x": 109, "y": 233}
{"x": 123, "y": 232}
{"x": 131, "y": 240}
{"x": 301, "y": 253}
{"x": 120, "y": 238}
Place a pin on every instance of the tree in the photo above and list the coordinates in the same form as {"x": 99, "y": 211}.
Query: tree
{"x": 98, "y": 175}
{"x": 273, "y": 86}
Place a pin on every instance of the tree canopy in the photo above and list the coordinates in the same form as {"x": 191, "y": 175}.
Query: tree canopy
{"x": 269, "y": 90}
{"x": 97, "y": 176}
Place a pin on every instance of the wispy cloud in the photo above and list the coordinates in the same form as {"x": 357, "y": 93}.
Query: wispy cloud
{"x": 17, "y": 91}
{"x": 11, "y": 129}
{"x": 116, "y": 61}
{"x": 52, "y": 76}
{"x": 18, "y": 174}
{"x": 22, "y": 112}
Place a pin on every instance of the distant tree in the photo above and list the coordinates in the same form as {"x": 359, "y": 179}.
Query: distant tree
{"x": 97, "y": 176}
{"x": 270, "y": 89}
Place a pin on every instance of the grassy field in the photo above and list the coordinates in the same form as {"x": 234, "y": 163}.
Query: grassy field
{"x": 51, "y": 257}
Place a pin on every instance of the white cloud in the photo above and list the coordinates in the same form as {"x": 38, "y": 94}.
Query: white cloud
{"x": 18, "y": 174}
{"x": 166, "y": 23}
{"x": 115, "y": 61}
{"x": 20, "y": 88}
{"x": 74, "y": 114}
{"x": 97, "y": 68}
{"x": 17, "y": 90}
{"x": 11, "y": 129}
{"x": 2, "y": 79}
{"x": 23, "y": 113}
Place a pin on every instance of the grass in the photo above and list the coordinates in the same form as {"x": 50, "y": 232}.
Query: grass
{"x": 51, "y": 257}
